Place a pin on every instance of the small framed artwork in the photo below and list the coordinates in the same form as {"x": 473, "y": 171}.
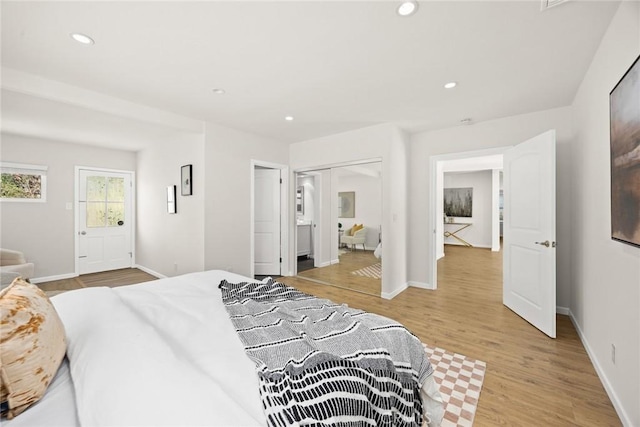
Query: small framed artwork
{"x": 347, "y": 204}
{"x": 171, "y": 199}
{"x": 185, "y": 180}
{"x": 624, "y": 109}
{"x": 300, "y": 200}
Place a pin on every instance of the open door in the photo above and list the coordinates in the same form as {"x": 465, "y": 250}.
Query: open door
{"x": 267, "y": 222}
{"x": 529, "y": 287}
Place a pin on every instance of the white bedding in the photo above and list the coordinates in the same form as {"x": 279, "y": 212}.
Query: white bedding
{"x": 162, "y": 353}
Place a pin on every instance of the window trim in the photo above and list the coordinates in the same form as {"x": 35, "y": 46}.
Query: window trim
{"x": 27, "y": 169}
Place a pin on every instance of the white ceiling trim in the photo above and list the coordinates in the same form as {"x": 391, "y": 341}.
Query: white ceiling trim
{"x": 30, "y": 84}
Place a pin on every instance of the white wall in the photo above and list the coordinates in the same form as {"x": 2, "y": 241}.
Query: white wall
{"x": 45, "y": 231}
{"x": 170, "y": 244}
{"x": 227, "y": 225}
{"x": 495, "y": 133}
{"x": 479, "y": 234}
{"x": 368, "y": 209}
{"x": 383, "y": 142}
{"x": 605, "y": 286}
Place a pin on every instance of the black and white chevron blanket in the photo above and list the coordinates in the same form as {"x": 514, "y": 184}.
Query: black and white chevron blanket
{"x": 321, "y": 363}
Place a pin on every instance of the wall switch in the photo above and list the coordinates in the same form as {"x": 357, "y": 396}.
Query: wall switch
{"x": 68, "y": 206}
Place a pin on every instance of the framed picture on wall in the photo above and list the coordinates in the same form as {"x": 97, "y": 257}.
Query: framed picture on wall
{"x": 624, "y": 110}
{"x": 171, "y": 199}
{"x": 347, "y": 204}
{"x": 185, "y": 180}
{"x": 458, "y": 202}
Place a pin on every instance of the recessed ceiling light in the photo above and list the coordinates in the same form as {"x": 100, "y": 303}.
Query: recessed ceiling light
{"x": 219, "y": 91}
{"x": 82, "y": 38}
{"x": 288, "y": 118}
{"x": 407, "y": 8}
{"x": 450, "y": 85}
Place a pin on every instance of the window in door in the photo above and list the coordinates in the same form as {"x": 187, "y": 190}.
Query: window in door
{"x": 105, "y": 201}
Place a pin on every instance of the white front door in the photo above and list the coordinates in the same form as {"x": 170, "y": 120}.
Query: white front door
{"x": 529, "y": 287}
{"x": 105, "y": 221}
{"x": 267, "y": 222}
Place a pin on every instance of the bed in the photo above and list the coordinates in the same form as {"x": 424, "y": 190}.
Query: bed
{"x": 161, "y": 353}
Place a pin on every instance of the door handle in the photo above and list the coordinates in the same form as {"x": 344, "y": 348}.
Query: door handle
{"x": 545, "y": 243}
{"x": 82, "y": 233}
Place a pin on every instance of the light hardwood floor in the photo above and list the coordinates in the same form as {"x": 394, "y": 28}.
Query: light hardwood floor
{"x": 341, "y": 274}
{"x": 531, "y": 380}
{"x": 125, "y": 276}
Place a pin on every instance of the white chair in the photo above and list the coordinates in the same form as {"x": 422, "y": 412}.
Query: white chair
{"x": 358, "y": 238}
{"x": 15, "y": 262}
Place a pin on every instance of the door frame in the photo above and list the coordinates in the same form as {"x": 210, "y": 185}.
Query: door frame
{"x": 284, "y": 215}
{"x": 436, "y": 216}
{"x": 76, "y": 211}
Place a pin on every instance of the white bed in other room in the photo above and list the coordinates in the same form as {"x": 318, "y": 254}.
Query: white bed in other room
{"x": 161, "y": 353}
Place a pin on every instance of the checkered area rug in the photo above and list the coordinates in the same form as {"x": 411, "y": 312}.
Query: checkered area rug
{"x": 460, "y": 380}
{"x": 374, "y": 271}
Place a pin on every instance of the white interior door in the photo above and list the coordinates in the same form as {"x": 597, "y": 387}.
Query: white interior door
{"x": 529, "y": 287}
{"x": 267, "y": 222}
{"x": 105, "y": 221}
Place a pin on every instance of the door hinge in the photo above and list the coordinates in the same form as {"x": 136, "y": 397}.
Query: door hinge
{"x": 130, "y": 254}
{"x": 280, "y": 259}
{"x": 280, "y": 180}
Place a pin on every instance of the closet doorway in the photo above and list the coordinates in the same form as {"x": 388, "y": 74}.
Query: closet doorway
{"x": 339, "y": 226}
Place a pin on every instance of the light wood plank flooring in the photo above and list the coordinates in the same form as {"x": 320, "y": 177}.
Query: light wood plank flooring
{"x": 531, "y": 380}
{"x": 341, "y": 274}
{"x": 125, "y": 276}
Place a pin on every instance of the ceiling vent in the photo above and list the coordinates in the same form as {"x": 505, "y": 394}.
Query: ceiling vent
{"x": 546, "y": 4}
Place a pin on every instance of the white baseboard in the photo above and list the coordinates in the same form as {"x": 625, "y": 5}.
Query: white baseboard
{"x": 421, "y": 285}
{"x": 563, "y": 310}
{"x": 150, "y": 271}
{"x": 624, "y": 417}
{"x": 52, "y": 278}
{"x": 335, "y": 261}
{"x": 325, "y": 264}
{"x": 391, "y": 295}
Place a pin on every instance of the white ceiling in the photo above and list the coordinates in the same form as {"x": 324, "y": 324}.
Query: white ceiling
{"x": 333, "y": 65}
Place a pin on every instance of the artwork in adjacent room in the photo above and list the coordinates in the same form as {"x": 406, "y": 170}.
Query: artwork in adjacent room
{"x": 171, "y": 199}
{"x": 624, "y": 104}
{"x": 300, "y": 200}
{"x": 185, "y": 180}
{"x": 347, "y": 204}
{"x": 458, "y": 202}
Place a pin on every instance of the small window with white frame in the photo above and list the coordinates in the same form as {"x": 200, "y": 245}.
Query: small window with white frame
{"x": 23, "y": 182}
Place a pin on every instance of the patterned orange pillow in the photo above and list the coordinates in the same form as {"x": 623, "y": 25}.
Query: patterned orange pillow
{"x": 32, "y": 346}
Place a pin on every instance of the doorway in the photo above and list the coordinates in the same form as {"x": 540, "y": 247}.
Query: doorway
{"x": 104, "y": 219}
{"x": 529, "y": 282}
{"x": 459, "y": 169}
